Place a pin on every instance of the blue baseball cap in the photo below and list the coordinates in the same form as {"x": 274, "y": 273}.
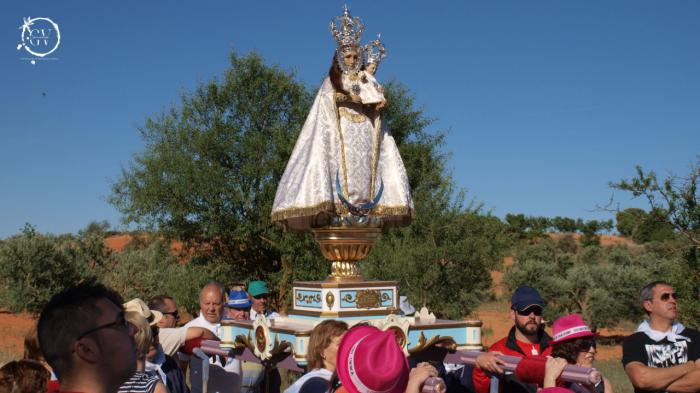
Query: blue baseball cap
{"x": 524, "y": 297}
{"x": 238, "y": 299}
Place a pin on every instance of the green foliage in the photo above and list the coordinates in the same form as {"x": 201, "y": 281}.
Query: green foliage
{"x": 211, "y": 166}
{"x": 146, "y": 268}
{"x": 645, "y": 227}
{"x": 33, "y": 267}
{"x": 533, "y": 228}
{"x": 526, "y": 227}
{"x": 564, "y": 224}
{"x": 442, "y": 261}
{"x": 673, "y": 204}
{"x": 210, "y": 169}
{"x": 674, "y": 200}
{"x": 629, "y": 220}
{"x": 600, "y": 283}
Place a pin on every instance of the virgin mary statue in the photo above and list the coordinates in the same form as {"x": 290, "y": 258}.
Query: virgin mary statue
{"x": 344, "y": 164}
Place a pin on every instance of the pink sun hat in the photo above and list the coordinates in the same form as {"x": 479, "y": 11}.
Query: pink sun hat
{"x": 371, "y": 361}
{"x": 569, "y": 328}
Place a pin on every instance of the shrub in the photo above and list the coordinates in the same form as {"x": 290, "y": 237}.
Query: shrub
{"x": 34, "y": 266}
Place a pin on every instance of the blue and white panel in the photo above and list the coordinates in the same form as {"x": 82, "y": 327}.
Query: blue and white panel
{"x": 308, "y": 299}
{"x": 473, "y": 336}
{"x": 387, "y": 299}
{"x": 347, "y": 299}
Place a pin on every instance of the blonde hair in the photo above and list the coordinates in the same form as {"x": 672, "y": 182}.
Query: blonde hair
{"x": 320, "y": 339}
{"x": 143, "y": 336}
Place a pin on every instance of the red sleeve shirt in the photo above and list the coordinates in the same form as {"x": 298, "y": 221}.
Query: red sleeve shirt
{"x": 482, "y": 381}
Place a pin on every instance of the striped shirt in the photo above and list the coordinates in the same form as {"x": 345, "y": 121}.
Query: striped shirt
{"x": 140, "y": 382}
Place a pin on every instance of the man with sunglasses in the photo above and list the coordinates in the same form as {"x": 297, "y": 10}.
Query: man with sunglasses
{"x": 172, "y": 337}
{"x": 662, "y": 355}
{"x": 86, "y": 339}
{"x": 259, "y": 295}
{"x": 526, "y": 339}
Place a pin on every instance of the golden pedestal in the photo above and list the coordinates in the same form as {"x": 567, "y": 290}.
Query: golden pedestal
{"x": 345, "y": 247}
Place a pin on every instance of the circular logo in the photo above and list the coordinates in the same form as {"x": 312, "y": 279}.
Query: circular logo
{"x": 40, "y": 36}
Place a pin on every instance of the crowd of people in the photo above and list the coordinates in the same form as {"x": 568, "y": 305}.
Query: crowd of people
{"x": 88, "y": 340}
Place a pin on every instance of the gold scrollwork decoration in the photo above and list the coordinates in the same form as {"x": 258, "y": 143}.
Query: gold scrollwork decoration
{"x": 280, "y": 348}
{"x": 445, "y": 341}
{"x": 386, "y": 297}
{"x": 348, "y": 298}
{"x": 315, "y": 298}
{"x": 242, "y": 341}
{"x": 368, "y": 298}
{"x": 351, "y": 116}
{"x": 330, "y": 299}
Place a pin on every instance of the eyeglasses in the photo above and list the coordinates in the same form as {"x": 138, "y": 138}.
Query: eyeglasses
{"x": 585, "y": 344}
{"x": 530, "y": 310}
{"x": 666, "y": 296}
{"x": 175, "y": 314}
{"x": 263, "y": 296}
{"x": 119, "y": 323}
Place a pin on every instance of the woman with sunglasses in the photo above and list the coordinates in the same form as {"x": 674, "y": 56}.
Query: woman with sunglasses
{"x": 574, "y": 341}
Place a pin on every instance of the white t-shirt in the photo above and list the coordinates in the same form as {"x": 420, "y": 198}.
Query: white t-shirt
{"x": 232, "y": 365}
{"x": 268, "y": 315}
{"x": 319, "y": 372}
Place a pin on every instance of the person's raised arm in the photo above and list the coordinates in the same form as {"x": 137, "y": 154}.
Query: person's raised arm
{"x": 418, "y": 375}
{"x": 199, "y": 332}
{"x": 552, "y": 371}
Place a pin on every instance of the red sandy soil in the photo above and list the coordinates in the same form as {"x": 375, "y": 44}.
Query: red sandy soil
{"x": 118, "y": 242}
{"x": 605, "y": 240}
{"x": 13, "y": 328}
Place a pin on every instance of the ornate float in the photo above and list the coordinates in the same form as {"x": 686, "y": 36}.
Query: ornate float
{"x": 345, "y": 182}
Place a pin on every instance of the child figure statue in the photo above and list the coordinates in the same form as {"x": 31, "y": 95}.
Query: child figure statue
{"x": 345, "y": 167}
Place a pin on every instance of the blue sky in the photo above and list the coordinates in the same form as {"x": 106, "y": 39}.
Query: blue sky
{"x": 545, "y": 101}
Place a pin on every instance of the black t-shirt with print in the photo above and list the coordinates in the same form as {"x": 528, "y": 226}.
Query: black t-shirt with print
{"x": 660, "y": 354}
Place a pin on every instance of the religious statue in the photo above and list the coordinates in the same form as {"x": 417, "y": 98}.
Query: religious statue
{"x": 374, "y": 53}
{"x": 345, "y": 167}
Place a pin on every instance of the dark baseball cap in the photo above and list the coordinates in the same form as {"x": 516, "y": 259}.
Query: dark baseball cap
{"x": 524, "y": 297}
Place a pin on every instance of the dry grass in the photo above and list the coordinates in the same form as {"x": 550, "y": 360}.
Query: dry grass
{"x": 613, "y": 371}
